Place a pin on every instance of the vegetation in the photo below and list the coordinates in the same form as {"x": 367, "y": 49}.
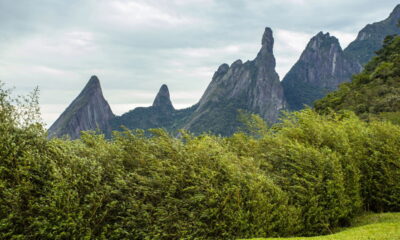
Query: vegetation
{"x": 384, "y": 226}
{"x": 306, "y": 176}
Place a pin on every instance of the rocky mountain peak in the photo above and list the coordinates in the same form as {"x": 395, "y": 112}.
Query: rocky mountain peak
{"x": 94, "y": 81}
{"x": 251, "y": 85}
{"x": 268, "y": 39}
{"x": 321, "y": 68}
{"x": 163, "y": 99}
{"x": 92, "y": 86}
{"x": 89, "y": 111}
{"x": 323, "y": 41}
{"x": 265, "y": 57}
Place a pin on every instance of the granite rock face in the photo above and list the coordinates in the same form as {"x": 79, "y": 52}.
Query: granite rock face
{"x": 163, "y": 100}
{"x": 323, "y": 65}
{"x": 253, "y": 86}
{"x": 89, "y": 111}
{"x": 321, "y": 68}
{"x": 370, "y": 38}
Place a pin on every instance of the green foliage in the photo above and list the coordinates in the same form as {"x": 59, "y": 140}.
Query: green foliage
{"x": 253, "y": 124}
{"x": 308, "y": 175}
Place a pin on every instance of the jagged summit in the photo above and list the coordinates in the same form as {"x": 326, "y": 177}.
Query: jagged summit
{"x": 267, "y": 39}
{"x": 323, "y": 40}
{"x": 266, "y": 55}
{"x": 89, "y": 111}
{"x": 321, "y": 68}
{"x": 252, "y": 85}
{"x": 163, "y": 99}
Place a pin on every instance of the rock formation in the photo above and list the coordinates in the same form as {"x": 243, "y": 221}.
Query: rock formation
{"x": 253, "y": 86}
{"x": 89, "y": 111}
{"x": 321, "y": 68}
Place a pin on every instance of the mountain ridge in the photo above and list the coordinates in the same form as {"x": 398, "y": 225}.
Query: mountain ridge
{"x": 253, "y": 86}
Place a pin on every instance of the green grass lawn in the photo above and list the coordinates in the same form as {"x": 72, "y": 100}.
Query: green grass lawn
{"x": 385, "y": 226}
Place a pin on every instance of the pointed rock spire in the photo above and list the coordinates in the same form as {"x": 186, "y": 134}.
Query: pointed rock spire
{"x": 89, "y": 111}
{"x": 267, "y": 41}
{"x": 92, "y": 86}
{"x": 163, "y": 99}
{"x": 266, "y": 55}
{"x": 252, "y": 85}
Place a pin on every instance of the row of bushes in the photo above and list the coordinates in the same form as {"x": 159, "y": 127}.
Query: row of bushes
{"x": 305, "y": 176}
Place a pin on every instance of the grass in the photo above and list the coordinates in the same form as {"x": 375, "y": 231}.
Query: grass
{"x": 384, "y": 226}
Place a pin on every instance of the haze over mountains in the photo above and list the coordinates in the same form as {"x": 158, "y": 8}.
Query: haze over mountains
{"x": 253, "y": 86}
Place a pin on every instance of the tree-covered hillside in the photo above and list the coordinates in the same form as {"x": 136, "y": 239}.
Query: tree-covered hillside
{"x": 374, "y": 93}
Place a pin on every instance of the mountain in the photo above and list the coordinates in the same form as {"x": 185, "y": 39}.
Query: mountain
{"x": 371, "y": 37}
{"x": 253, "y": 86}
{"x": 163, "y": 100}
{"x": 375, "y": 93}
{"x": 321, "y": 68}
{"x": 89, "y": 111}
{"x": 161, "y": 114}
{"x": 323, "y": 65}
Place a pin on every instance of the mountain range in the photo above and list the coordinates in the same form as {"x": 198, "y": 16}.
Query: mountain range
{"x": 253, "y": 86}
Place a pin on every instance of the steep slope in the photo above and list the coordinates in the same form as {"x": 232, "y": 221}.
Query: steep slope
{"x": 253, "y": 86}
{"x": 371, "y": 37}
{"x": 321, "y": 68}
{"x": 373, "y": 93}
{"x": 323, "y": 65}
{"x": 160, "y": 115}
{"x": 89, "y": 111}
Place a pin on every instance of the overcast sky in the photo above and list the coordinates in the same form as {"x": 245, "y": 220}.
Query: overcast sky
{"x": 134, "y": 46}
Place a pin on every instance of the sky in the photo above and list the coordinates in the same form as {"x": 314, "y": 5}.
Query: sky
{"x": 135, "y": 46}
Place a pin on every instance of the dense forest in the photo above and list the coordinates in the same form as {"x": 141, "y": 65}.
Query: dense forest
{"x": 307, "y": 175}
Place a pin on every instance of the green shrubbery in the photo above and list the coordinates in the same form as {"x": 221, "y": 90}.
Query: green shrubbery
{"x": 304, "y": 176}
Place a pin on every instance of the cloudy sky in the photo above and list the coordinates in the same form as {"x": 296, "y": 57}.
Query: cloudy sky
{"x": 134, "y": 46}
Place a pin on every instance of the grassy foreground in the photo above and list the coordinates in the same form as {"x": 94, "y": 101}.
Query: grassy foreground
{"x": 384, "y": 226}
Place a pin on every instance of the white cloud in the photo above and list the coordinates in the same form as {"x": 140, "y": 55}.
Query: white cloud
{"x": 124, "y": 13}
{"x": 136, "y": 45}
{"x": 288, "y": 47}
{"x": 345, "y": 38}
